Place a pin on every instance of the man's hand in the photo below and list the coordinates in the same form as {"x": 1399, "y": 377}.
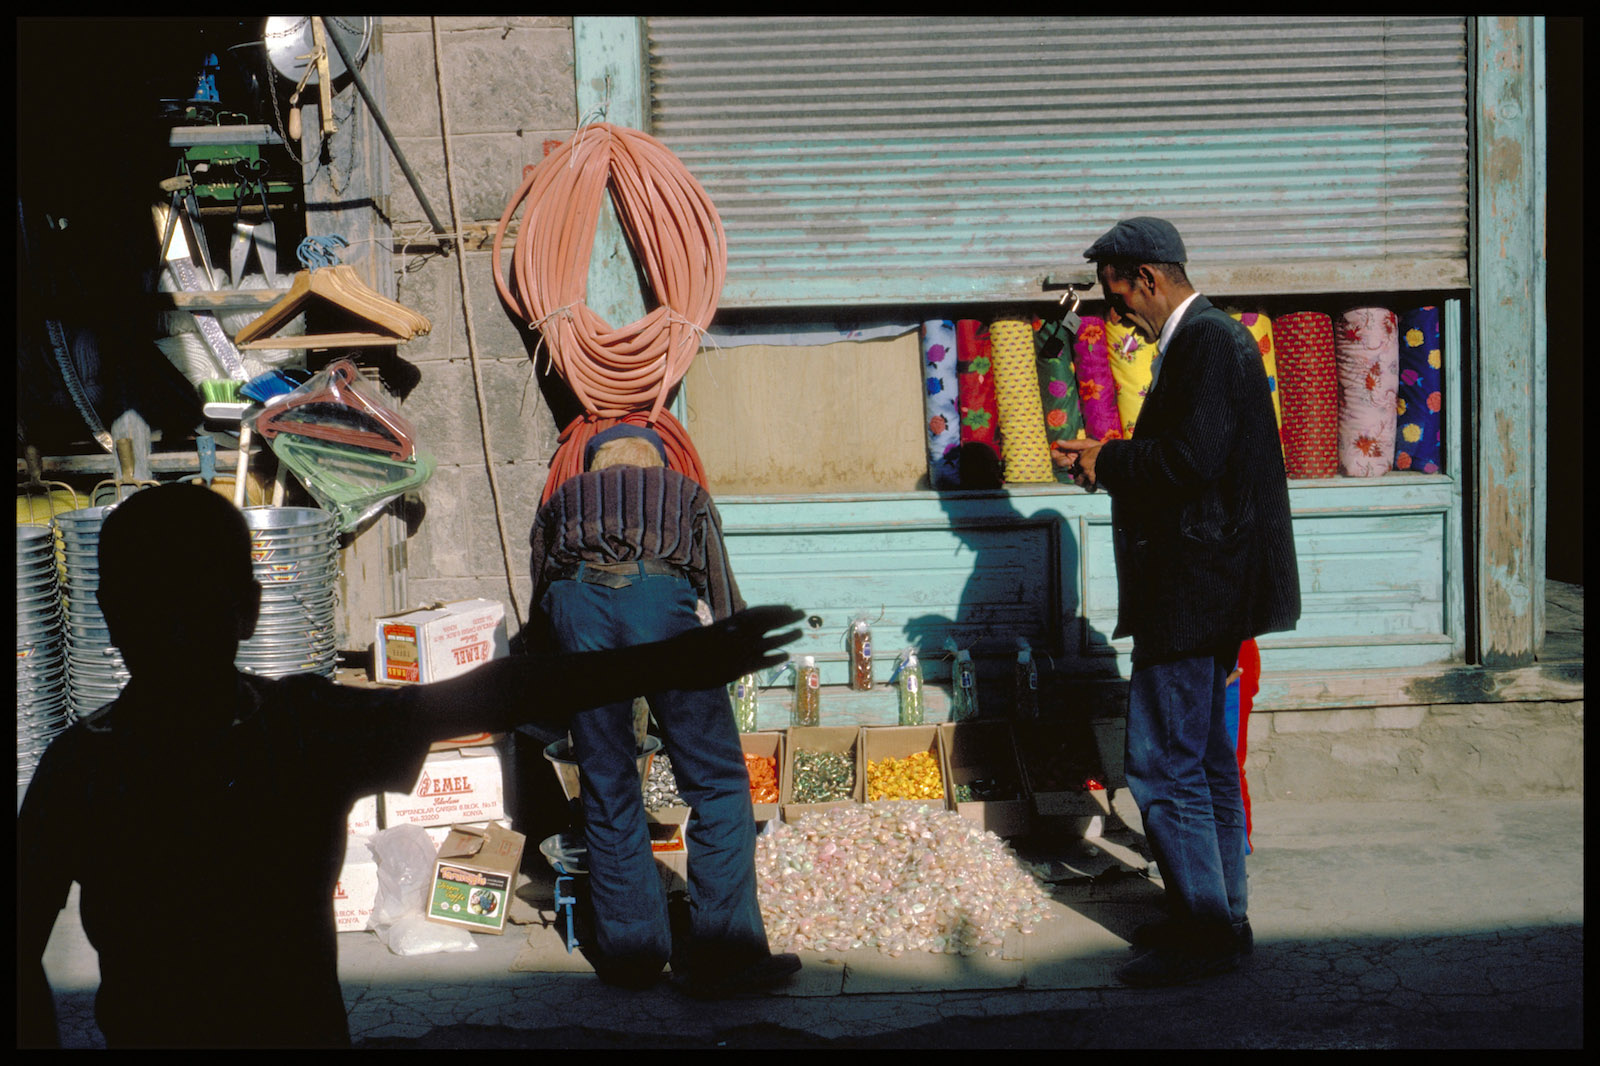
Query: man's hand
{"x": 723, "y": 651}
{"x": 1078, "y": 458}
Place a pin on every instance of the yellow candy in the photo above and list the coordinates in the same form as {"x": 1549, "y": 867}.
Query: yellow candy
{"x": 914, "y": 777}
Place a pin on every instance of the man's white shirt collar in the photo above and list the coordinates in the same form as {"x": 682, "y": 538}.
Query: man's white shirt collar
{"x": 1171, "y": 325}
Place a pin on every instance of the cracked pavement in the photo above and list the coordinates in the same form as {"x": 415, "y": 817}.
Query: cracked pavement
{"x": 1450, "y": 923}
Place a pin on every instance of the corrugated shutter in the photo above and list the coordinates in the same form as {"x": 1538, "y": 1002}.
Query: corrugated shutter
{"x": 861, "y": 160}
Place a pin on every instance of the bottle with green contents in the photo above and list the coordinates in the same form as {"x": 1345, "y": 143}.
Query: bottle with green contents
{"x": 908, "y": 671}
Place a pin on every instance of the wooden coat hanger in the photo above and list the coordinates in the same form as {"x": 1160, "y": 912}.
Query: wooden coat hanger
{"x": 389, "y": 321}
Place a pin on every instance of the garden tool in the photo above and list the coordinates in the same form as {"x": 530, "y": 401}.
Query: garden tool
{"x": 125, "y": 480}
{"x": 39, "y": 501}
{"x": 263, "y": 235}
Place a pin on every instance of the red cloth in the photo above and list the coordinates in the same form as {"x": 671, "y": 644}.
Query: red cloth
{"x": 980, "y": 411}
{"x": 1249, "y": 685}
{"x": 1308, "y": 384}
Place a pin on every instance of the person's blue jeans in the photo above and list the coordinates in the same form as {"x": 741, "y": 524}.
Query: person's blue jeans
{"x": 632, "y": 930}
{"x": 1182, "y": 768}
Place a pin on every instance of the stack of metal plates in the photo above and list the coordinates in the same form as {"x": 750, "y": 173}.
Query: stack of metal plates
{"x": 295, "y": 554}
{"x": 41, "y": 649}
{"x": 96, "y": 673}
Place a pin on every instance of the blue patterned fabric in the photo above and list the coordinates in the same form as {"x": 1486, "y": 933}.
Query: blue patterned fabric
{"x": 941, "y": 396}
{"x": 1419, "y": 401}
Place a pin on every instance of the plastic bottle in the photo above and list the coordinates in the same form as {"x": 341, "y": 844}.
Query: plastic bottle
{"x": 743, "y": 694}
{"x": 860, "y": 655}
{"x": 1026, "y": 689}
{"x": 909, "y": 674}
{"x": 807, "y": 694}
{"x": 964, "y": 696}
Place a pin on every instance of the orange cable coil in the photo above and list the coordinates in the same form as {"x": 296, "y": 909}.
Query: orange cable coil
{"x": 673, "y": 228}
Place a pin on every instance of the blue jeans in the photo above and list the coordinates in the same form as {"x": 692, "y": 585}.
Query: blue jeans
{"x": 1182, "y": 768}
{"x": 698, "y": 733}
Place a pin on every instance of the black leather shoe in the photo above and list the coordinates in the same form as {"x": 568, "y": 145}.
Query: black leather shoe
{"x": 757, "y": 977}
{"x": 1175, "y": 933}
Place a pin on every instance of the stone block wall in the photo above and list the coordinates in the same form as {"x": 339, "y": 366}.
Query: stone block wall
{"x": 507, "y": 82}
{"x": 1416, "y": 752}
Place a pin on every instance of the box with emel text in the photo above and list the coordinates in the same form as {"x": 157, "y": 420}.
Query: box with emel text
{"x": 441, "y": 642}
{"x": 474, "y": 876}
{"x": 453, "y": 788}
{"x": 356, "y": 891}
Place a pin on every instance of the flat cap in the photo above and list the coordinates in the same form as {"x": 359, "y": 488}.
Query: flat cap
{"x": 623, "y": 429}
{"x": 1143, "y": 239}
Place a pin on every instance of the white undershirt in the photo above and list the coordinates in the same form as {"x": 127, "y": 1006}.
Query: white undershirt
{"x": 1171, "y": 325}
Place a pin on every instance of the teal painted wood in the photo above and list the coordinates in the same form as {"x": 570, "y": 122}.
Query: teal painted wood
{"x": 608, "y": 65}
{"x": 988, "y": 567}
{"x": 1509, "y": 344}
{"x": 1456, "y": 606}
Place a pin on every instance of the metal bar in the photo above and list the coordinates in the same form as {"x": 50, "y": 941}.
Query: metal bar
{"x": 388, "y": 135}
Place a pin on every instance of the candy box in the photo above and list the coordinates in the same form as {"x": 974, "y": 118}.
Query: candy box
{"x": 766, "y": 745}
{"x": 1063, "y": 757}
{"x": 984, "y": 768}
{"x": 899, "y": 742}
{"x": 474, "y": 876}
{"x": 832, "y": 740}
{"x": 440, "y": 642}
{"x": 454, "y": 787}
{"x": 668, "y": 847}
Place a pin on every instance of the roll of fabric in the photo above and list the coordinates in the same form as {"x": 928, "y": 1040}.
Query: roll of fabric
{"x": 980, "y": 415}
{"x": 1097, "y": 386}
{"x": 1131, "y": 362}
{"x": 1419, "y": 403}
{"x": 1016, "y": 383}
{"x": 941, "y": 401}
{"x": 1260, "y": 327}
{"x": 1367, "y": 351}
{"x": 1058, "y": 386}
{"x": 1308, "y": 384}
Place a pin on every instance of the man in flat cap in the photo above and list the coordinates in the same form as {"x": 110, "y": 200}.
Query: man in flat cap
{"x": 1205, "y": 560}
{"x": 625, "y": 553}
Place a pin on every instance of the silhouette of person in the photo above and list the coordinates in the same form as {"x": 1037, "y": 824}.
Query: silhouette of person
{"x": 203, "y": 813}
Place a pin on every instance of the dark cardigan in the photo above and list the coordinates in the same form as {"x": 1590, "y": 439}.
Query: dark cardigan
{"x": 1199, "y": 499}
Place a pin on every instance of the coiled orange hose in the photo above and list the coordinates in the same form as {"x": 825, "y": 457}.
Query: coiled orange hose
{"x": 618, "y": 375}
{"x": 672, "y": 227}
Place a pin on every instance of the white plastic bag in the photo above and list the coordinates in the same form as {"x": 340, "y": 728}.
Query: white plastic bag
{"x": 405, "y": 858}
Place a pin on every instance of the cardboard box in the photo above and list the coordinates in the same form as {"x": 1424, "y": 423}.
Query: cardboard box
{"x": 474, "y": 876}
{"x": 767, "y": 745}
{"x": 1059, "y": 755}
{"x": 357, "y": 888}
{"x": 438, "y": 834}
{"x": 454, "y": 788}
{"x": 985, "y": 752}
{"x": 363, "y": 819}
{"x": 440, "y": 642}
{"x": 838, "y": 740}
{"x": 898, "y": 742}
{"x": 668, "y": 846}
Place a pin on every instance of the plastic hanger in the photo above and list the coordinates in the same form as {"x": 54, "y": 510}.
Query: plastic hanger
{"x": 332, "y": 407}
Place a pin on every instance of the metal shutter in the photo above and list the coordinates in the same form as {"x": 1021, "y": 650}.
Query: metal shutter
{"x": 893, "y": 160}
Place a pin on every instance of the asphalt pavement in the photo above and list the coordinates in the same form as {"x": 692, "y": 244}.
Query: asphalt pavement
{"x": 1455, "y": 923}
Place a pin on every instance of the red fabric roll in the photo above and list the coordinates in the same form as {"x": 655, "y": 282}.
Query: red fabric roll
{"x": 1308, "y": 381}
{"x": 980, "y": 411}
